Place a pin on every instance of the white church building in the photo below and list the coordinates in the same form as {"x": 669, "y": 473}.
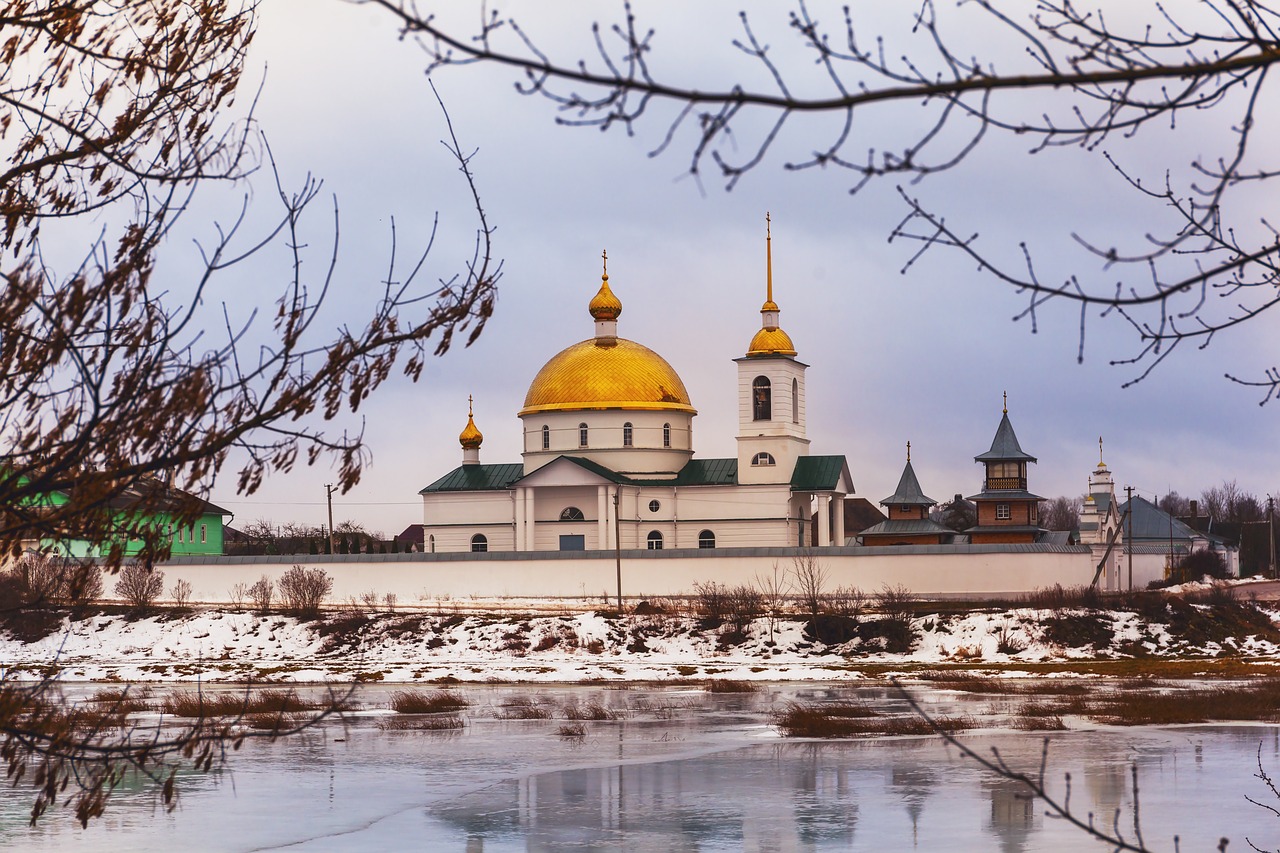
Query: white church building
{"x": 609, "y": 461}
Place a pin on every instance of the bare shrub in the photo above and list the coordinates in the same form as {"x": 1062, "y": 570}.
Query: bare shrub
{"x": 572, "y": 730}
{"x": 774, "y": 589}
{"x": 896, "y": 603}
{"x": 368, "y": 599}
{"x": 261, "y": 593}
{"x": 744, "y": 604}
{"x": 181, "y": 593}
{"x": 1200, "y": 564}
{"x": 303, "y": 590}
{"x": 45, "y": 579}
{"x": 593, "y": 710}
{"x": 389, "y": 601}
{"x": 139, "y": 585}
{"x": 712, "y": 601}
{"x": 1007, "y": 643}
{"x": 847, "y": 601}
{"x": 237, "y": 595}
{"x": 810, "y": 580}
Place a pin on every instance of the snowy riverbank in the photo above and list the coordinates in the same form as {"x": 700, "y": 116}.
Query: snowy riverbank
{"x": 421, "y": 647}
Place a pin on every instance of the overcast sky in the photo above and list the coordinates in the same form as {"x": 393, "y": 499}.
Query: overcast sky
{"x": 923, "y": 355}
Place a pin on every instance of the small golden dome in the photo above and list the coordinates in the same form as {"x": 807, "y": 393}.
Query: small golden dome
{"x": 470, "y": 438}
{"x": 612, "y": 373}
{"x": 769, "y": 306}
{"x": 771, "y": 342}
{"x": 604, "y": 305}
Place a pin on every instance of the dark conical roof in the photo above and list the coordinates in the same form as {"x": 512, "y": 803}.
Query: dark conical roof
{"x": 1005, "y": 447}
{"x": 908, "y": 492}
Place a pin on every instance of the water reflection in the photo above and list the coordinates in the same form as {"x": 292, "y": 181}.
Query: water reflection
{"x": 693, "y": 773}
{"x": 783, "y": 797}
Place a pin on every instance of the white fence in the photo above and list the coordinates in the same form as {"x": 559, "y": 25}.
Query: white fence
{"x": 424, "y": 579}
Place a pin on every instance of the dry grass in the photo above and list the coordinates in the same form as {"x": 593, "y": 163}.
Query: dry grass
{"x": 523, "y": 708}
{"x": 127, "y": 700}
{"x": 1007, "y": 686}
{"x": 592, "y": 711}
{"x": 194, "y": 704}
{"x": 1257, "y": 701}
{"x": 422, "y": 702}
{"x": 852, "y": 720}
{"x": 572, "y": 730}
{"x": 728, "y": 685}
{"x": 435, "y": 723}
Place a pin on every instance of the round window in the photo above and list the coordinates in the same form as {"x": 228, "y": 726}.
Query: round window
{"x": 654, "y": 506}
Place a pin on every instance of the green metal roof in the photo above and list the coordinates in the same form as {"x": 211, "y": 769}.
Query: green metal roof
{"x": 1005, "y": 447}
{"x": 708, "y": 472}
{"x": 477, "y": 478}
{"x": 817, "y": 473}
{"x": 908, "y": 492}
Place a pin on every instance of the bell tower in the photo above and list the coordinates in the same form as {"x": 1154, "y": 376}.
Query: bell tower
{"x": 771, "y": 395}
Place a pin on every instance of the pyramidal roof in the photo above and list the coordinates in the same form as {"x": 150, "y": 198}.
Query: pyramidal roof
{"x": 1005, "y": 447}
{"x": 908, "y": 492}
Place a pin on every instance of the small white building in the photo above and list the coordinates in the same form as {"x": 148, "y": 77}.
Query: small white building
{"x": 609, "y": 459}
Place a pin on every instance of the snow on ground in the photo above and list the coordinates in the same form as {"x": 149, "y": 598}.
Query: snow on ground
{"x": 417, "y": 647}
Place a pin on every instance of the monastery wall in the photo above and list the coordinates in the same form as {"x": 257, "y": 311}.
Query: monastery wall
{"x": 426, "y": 579}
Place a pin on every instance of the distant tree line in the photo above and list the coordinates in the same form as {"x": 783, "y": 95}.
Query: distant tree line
{"x": 265, "y": 537}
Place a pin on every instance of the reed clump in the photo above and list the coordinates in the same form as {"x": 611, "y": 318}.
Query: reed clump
{"x": 426, "y": 702}
{"x": 842, "y": 720}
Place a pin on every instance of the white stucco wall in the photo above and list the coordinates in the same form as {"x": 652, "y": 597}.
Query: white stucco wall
{"x": 426, "y": 578}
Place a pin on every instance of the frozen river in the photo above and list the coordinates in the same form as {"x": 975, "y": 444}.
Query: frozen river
{"x": 682, "y": 770}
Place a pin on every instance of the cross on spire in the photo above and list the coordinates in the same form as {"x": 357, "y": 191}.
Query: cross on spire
{"x": 605, "y": 256}
{"x": 1006, "y": 402}
{"x": 908, "y": 451}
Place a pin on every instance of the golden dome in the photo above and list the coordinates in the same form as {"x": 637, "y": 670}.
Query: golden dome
{"x": 607, "y": 373}
{"x": 470, "y": 437}
{"x": 771, "y": 342}
{"x": 604, "y": 305}
{"x": 769, "y": 306}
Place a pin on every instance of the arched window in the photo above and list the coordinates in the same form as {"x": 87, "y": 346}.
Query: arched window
{"x": 571, "y": 513}
{"x": 654, "y": 540}
{"x": 582, "y": 435}
{"x": 762, "y": 458}
{"x": 626, "y": 434}
{"x": 431, "y": 543}
{"x": 666, "y": 435}
{"x": 479, "y": 542}
{"x": 706, "y": 539}
{"x": 546, "y": 437}
{"x": 761, "y": 399}
{"x": 795, "y": 401}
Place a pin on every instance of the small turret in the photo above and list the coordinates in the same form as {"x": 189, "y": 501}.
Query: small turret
{"x": 470, "y": 438}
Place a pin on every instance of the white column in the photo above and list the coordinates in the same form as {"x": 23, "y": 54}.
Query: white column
{"x": 824, "y": 529}
{"x": 837, "y": 506}
{"x": 519, "y": 516}
{"x": 530, "y": 526}
{"x": 602, "y": 516}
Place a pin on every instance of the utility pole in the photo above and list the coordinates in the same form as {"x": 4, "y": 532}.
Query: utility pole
{"x": 617, "y": 541}
{"x": 1128, "y": 540}
{"x": 1271, "y": 531}
{"x": 328, "y": 493}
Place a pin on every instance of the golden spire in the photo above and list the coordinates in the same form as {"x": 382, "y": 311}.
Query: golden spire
{"x": 1101, "y": 464}
{"x": 908, "y": 451}
{"x": 769, "y": 304}
{"x": 1006, "y": 402}
{"x": 771, "y": 339}
{"x": 471, "y": 438}
{"x": 605, "y": 306}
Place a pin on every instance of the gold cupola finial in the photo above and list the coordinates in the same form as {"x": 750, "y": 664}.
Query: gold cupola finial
{"x": 771, "y": 339}
{"x": 470, "y": 438}
{"x": 1101, "y": 464}
{"x": 1006, "y": 402}
{"x": 605, "y": 306}
{"x": 769, "y": 304}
